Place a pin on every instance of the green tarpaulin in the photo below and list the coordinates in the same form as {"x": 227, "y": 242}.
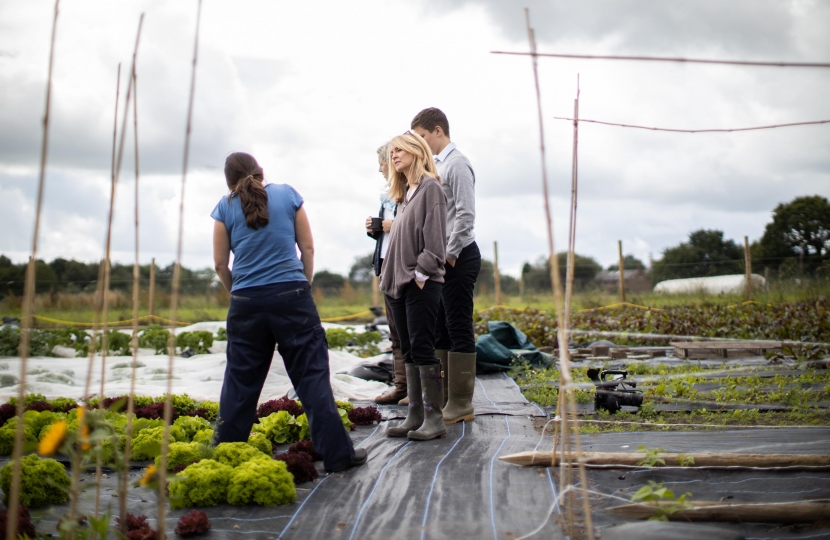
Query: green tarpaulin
{"x": 504, "y": 347}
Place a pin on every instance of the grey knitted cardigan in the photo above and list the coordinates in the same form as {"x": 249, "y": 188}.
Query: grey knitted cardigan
{"x": 418, "y": 239}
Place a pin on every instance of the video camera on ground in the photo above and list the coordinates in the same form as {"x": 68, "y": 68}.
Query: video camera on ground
{"x": 613, "y": 391}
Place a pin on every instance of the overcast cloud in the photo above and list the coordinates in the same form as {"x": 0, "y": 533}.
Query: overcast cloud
{"x": 313, "y": 89}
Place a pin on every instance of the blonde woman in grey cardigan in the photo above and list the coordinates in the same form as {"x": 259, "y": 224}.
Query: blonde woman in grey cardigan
{"x": 411, "y": 278}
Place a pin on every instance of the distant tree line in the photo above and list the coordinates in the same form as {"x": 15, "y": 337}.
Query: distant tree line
{"x": 71, "y": 276}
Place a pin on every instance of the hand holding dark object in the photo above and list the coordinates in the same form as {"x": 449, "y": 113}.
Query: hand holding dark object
{"x": 387, "y": 225}
{"x": 369, "y": 225}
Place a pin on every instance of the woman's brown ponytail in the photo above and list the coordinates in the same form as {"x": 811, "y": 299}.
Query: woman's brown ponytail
{"x": 244, "y": 177}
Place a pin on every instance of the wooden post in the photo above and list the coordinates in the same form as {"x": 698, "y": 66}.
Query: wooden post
{"x": 748, "y": 258}
{"x": 522, "y": 286}
{"x": 622, "y": 271}
{"x": 375, "y": 291}
{"x": 611, "y": 460}
{"x": 152, "y": 299}
{"x": 496, "y": 276}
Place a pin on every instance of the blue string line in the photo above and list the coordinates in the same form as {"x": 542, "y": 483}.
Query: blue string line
{"x": 371, "y": 493}
{"x": 486, "y": 396}
{"x": 302, "y": 505}
{"x": 553, "y": 488}
{"x": 435, "y": 476}
{"x": 492, "y": 460}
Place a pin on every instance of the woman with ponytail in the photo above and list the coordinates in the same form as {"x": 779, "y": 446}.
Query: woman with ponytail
{"x": 271, "y": 305}
{"x": 411, "y": 278}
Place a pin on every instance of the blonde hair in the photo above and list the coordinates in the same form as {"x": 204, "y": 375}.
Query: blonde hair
{"x": 383, "y": 153}
{"x": 422, "y": 164}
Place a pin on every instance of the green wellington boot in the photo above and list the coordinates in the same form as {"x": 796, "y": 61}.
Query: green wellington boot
{"x": 462, "y": 383}
{"x": 442, "y": 356}
{"x": 415, "y": 412}
{"x": 432, "y": 391}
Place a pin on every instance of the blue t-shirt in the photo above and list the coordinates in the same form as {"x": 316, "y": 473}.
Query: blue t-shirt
{"x": 267, "y": 255}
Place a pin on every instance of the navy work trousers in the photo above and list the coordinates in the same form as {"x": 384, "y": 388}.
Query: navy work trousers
{"x": 282, "y": 314}
{"x": 415, "y": 314}
{"x": 455, "y": 314}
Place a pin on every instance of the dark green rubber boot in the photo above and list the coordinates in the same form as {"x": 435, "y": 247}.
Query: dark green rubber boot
{"x": 462, "y": 377}
{"x": 432, "y": 392}
{"x": 442, "y": 355}
{"x": 415, "y": 411}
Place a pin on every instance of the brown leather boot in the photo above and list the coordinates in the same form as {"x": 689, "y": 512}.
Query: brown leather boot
{"x": 398, "y": 390}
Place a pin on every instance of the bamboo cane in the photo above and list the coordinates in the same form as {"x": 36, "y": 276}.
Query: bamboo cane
{"x": 787, "y": 512}
{"x": 104, "y": 286}
{"x": 174, "y": 301}
{"x": 564, "y": 359}
{"x": 122, "y": 509}
{"x": 29, "y": 308}
{"x": 701, "y": 460}
{"x": 151, "y": 300}
{"x": 572, "y": 219}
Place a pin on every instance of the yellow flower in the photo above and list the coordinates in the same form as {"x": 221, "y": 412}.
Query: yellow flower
{"x": 150, "y": 475}
{"x": 53, "y": 439}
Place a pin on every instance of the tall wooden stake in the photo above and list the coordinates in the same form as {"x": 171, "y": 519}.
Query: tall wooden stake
{"x": 123, "y": 478}
{"x": 29, "y": 308}
{"x": 151, "y": 300}
{"x": 748, "y": 258}
{"x": 174, "y": 300}
{"x": 496, "y": 276}
{"x": 375, "y": 291}
{"x": 569, "y": 284}
{"x": 622, "y": 270}
{"x": 566, "y": 381}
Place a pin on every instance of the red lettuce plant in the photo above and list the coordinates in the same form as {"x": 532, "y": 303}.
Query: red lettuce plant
{"x": 7, "y": 411}
{"x": 138, "y": 528}
{"x": 276, "y": 405}
{"x": 193, "y": 523}
{"x": 201, "y": 412}
{"x": 300, "y": 465}
{"x": 364, "y": 416}
{"x": 25, "y": 528}
{"x": 40, "y": 406}
{"x": 305, "y": 446}
{"x": 154, "y": 411}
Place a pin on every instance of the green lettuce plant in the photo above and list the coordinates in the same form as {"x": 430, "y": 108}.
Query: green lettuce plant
{"x": 260, "y": 442}
{"x": 191, "y": 425}
{"x": 7, "y": 433}
{"x": 44, "y": 482}
{"x": 204, "y": 436}
{"x": 202, "y": 484}
{"x": 184, "y": 453}
{"x": 262, "y": 481}
{"x": 234, "y": 454}
{"x": 147, "y": 443}
{"x": 199, "y": 341}
{"x": 279, "y": 427}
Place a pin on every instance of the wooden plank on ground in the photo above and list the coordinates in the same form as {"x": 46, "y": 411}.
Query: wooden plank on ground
{"x": 788, "y": 512}
{"x": 702, "y": 460}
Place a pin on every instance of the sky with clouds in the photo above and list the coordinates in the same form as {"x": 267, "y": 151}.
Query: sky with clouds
{"x": 312, "y": 89}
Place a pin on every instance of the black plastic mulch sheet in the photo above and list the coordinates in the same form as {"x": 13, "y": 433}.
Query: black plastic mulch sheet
{"x": 733, "y": 486}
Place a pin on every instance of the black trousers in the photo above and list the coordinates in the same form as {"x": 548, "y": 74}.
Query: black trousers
{"x": 393, "y": 330}
{"x": 258, "y": 319}
{"x": 455, "y": 315}
{"x": 415, "y": 314}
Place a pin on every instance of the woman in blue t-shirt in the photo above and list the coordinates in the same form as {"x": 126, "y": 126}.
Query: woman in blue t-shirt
{"x": 271, "y": 305}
